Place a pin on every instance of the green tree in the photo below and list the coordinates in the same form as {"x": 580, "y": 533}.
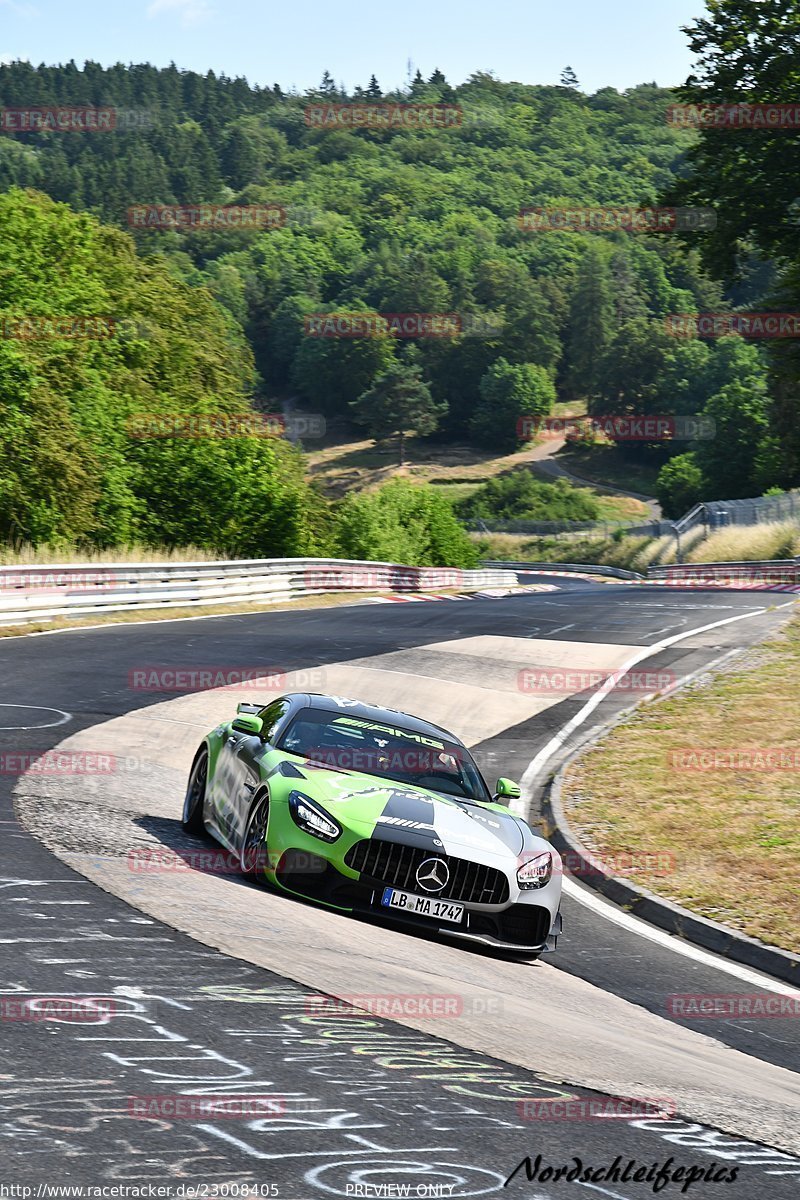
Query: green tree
{"x": 48, "y": 477}
{"x": 510, "y": 393}
{"x": 331, "y": 372}
{"x": 680, "y": 485}
{"x": 728, "y": 460}
{"x": 398, "y": 403}
{"x": 591, "y": 324}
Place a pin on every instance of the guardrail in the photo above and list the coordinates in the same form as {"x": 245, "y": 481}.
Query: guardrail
{"x": 583, "y": 568}
{"x": 42, "y": 593}
{"x": 776, "y": 570}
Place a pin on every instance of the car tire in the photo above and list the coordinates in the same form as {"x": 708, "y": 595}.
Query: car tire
{"x": 254, "y": 856}
{"x": 194, "y": 804}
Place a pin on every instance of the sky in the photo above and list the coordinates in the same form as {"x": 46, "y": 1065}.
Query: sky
{"x": 616, "y": 43}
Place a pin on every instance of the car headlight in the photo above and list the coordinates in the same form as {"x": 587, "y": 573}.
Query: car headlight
{"x": 536, "y": 872}
{"x": 312, "y": 818}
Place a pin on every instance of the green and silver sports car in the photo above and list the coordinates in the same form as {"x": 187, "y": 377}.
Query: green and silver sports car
{"x": 372, "y": 811}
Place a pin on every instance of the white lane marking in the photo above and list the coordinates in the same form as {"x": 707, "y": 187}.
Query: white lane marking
{"x": 671, "y": 942}
{"x": 8, "y": 881}
{"x": 65, "y": 716}
{"x": 558, "y": 739}
{"x": 590, "y": 899}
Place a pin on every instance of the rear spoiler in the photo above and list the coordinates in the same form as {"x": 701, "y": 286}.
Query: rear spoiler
{"x": 244, "y": 707}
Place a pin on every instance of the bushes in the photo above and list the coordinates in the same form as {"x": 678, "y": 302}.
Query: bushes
{"x": 520, "y": 496}
{"x": 403, "y": 523}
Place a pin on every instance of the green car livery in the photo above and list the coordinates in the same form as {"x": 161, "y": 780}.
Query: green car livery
{"x": 378, "y": 813}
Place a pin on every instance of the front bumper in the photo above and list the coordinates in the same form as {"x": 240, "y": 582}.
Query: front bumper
{"x": 524, "y": 924}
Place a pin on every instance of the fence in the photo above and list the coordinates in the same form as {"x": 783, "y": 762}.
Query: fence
{"x": 710, "y": 515}
{"x": 42, "y": 593}
{"x": 758, "y": 510}
{"x": 651, "y": 528}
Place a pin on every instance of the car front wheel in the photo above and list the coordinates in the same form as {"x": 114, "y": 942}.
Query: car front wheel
{"x": 195, "y": 801}
{"x": 254, "y": 857}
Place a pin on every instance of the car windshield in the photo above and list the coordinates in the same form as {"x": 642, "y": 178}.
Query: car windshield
{"x": 349, "y": 743}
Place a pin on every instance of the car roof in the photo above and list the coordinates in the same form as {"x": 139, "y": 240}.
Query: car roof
{"x": 374, "y": 712}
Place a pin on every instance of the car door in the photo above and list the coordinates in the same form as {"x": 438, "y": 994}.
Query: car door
{"x": 229, "y": 783}
{"x": 248, "y": 752}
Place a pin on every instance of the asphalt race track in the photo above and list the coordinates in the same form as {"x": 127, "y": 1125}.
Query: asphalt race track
{"x": 211, "y": 985}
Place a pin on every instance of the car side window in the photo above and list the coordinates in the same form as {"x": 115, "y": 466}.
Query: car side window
{"x": 270, "y": 717}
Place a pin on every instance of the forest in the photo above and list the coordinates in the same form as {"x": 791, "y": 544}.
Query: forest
{"x": 214, "y": 314}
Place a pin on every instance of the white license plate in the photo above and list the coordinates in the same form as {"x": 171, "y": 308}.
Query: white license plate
{"x": 422, "y": 906}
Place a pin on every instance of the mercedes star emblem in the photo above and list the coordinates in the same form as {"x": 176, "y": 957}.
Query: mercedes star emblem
{"x": 432, "y": 874}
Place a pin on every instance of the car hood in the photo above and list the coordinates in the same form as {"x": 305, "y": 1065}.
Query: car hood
{"x": 398, "y": 812}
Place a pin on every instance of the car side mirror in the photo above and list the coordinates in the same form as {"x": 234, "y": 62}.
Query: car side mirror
{"x": 507, "y": 789}
{"x": 248, "y": 723}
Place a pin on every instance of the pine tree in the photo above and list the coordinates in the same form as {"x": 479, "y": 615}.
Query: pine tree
{"x": 400, "y": 402}
{"x": 373, "y": 91}
{"x": 328, "y": 85}
{"x": 569, "y": 79}
{"x": 591, "y": 324}
{"x": 417, "y": 87}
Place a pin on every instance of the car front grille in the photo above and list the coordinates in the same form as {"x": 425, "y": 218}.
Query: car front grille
{"x": 396, "y": 864}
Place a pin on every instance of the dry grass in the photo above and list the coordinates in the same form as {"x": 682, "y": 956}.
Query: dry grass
{"x": 605, "y": 463}
{"x": 664, "y": 550}
{"x": 748, "y": 543}
{"x": 457, "y": 468}
{"x": 66, "y": 554}
{"x": 734, "y": 833}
